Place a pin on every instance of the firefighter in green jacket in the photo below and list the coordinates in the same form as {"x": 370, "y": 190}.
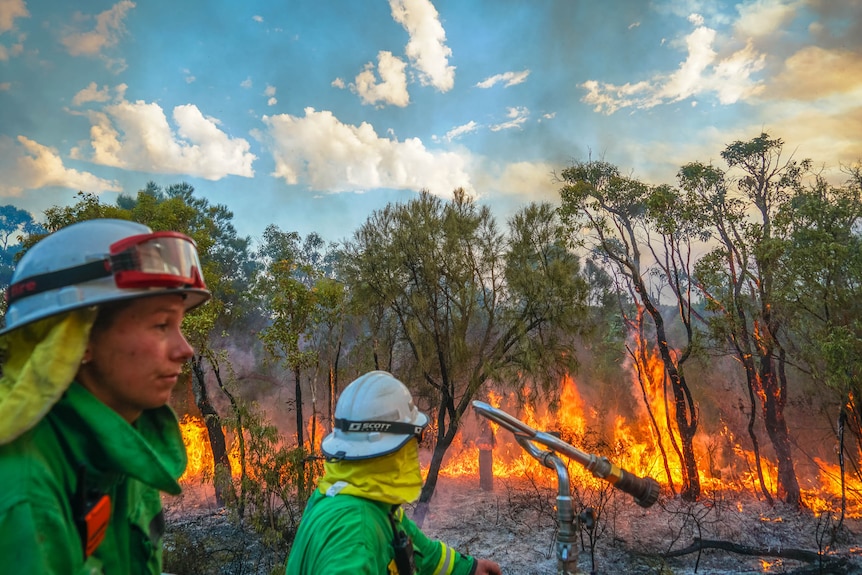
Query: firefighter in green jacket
{"x": 92, "y": 349}
{"x": 353, "y": 523}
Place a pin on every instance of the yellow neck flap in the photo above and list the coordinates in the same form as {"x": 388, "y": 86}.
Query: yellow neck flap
{"x": 395, "y": 478}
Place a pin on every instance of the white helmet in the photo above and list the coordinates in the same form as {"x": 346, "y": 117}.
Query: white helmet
{"x": 101, "y": 260}
{"x": 374, "y": 416}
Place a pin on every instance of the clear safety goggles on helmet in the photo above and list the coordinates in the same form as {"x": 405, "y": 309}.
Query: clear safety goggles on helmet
{"x": 159, "y": 259}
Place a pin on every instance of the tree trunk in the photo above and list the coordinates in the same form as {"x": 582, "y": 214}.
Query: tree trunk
{"x": 686, "y": 414}
{"x": 297, "y": 390}
{"x": 225, "y": 480}
{"x": 333, "y": 383}
{"x": 751, "y": 379}
{"x": 842, "y": 418}
{"x": 485, "y": 444}
{"x": 445, "y": 436}
{"x": 641, "y": 361}
{"x": 776, "y": 428}
{"x": 430, "y": 485}
{"x": 218, "y": 445}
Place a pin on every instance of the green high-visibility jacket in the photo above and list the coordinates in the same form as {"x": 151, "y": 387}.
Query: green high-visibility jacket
{"x": 349, "y": 535}
{"x": 81, "y": 437}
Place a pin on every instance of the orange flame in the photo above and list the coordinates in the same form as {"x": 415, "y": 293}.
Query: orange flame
{"x": 200, "y": 457}
{"x": 634, "y": 445}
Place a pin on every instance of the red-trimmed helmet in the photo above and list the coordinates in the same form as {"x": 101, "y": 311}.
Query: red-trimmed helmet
{"x": 102, "y": 260}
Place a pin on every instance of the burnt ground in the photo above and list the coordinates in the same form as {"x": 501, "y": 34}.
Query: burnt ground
{"x": 515, "y": 525}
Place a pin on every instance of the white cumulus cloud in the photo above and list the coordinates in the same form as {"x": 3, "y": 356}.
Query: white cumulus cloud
{"x": 459, "y": 131}
{"x": 517, "y": 116}
{"x": 27, "y": 165}
{"x": 138, "y": 136}
{"x": 392, "y": 87}
{"x": 730, "y": 78}
{"x": 92, "y": 93}
{"x": 324, "y": 154}
{"x": 763, "y": 17}
{"x": 426, "y": 48}
{"x": 106, "y": 33}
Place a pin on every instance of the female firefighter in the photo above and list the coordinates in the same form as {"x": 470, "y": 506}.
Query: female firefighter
{"x": 353, "y": 523}
{"x": 93, "y": 348}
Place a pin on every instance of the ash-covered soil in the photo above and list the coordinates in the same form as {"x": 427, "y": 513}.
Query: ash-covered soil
{"x": 515, "y": 525}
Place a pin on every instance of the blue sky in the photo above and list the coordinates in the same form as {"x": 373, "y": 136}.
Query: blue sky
{"x": 310, "y": 115}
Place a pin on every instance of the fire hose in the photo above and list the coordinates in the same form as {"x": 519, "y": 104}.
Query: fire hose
{"x": 644, "y": 490}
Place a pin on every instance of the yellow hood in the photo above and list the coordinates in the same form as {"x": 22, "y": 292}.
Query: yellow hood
{"x": 395, "y": 478}
{"x": 40, "y": 362}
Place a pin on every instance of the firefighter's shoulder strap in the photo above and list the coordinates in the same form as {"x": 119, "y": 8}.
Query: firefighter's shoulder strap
{"x": 92, "y": 512}
{"x": 401, "y": 543}
{"x": 91, "y": 508}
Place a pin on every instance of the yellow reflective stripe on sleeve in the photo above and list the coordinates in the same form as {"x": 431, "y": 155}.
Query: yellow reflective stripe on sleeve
{"x": 447, "y": 560}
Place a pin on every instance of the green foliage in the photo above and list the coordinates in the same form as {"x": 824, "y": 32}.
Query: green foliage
{"x": 296, "y": 292}
{"x": 15, "y": 225}
{"x": 545, "y": 293}
{"x": 88, "y": 207}
{"x": 820, "y": 282}
{"x": 461, "y": 303}
{"x": 302, "y": 304}
{"x": 276, "y": 482}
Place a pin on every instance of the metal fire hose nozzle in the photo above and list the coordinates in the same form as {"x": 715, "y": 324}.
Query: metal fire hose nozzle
{"x": 645, "y": 490}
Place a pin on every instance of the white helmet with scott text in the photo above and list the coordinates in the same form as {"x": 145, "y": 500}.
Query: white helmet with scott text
{"x": 374, "y": 416}
{"x": 97, "y": 261}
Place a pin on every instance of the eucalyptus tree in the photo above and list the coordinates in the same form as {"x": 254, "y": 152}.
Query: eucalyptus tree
{"x": 616, "y": 218}
{"x": 722, "y": 281}
{"x": 303, "y": 304}
{"x": 741, "y": 275}
{"x": 472, "y": 304}
{"x": 14, "y": 224}
{"x": 331, "y": 319}
{"x": 285, "y": 291}
{"x": 819, "y": 283}
{"x": 317, "y": 270}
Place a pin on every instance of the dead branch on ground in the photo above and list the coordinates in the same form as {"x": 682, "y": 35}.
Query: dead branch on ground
{"x": 824, "y": 563}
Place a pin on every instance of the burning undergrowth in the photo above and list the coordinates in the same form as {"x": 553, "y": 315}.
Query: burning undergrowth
{"x": 512, "y": 518}
{"x": 728, "y": 467}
